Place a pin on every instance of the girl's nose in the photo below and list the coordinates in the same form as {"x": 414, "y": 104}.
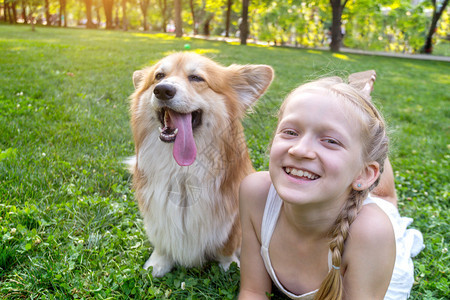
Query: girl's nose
{"x": 303, "y": 148}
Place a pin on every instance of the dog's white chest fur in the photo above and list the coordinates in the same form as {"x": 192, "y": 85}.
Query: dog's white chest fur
{"x": 183, "y": 219}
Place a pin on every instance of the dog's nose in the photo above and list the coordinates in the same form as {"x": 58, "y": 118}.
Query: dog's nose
{"x": 164, "y": 91}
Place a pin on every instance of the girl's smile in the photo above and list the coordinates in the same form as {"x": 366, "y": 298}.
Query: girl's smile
{"x": 300, "y": 174}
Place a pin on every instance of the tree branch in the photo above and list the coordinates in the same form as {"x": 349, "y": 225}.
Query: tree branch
{"x": 343, "y": 5}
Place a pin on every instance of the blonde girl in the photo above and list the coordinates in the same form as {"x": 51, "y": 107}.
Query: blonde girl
{"x": 310, "y": 226}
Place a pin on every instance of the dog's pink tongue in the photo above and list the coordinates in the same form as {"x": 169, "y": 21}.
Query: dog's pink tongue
{"x": 184, "y": 149}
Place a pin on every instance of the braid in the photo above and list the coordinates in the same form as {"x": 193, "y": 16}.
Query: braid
{"x": 332, "y": 286}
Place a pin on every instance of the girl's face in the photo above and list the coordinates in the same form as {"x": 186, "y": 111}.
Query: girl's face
{"x": 316, "y": 153}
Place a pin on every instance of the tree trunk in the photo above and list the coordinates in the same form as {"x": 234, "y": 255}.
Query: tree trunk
{"x": 194, "y": 20}
{"x": 24, "y": 11}
{"x": 164, "y": 9}
{"x": 163, "y": 6}
{"x": 33, "y": 27}
{"x": 117, "y": 20}
{"x": 14, "y": 12}
{"x": 7, "y": 13}
{"x": 228, "y": 20}
{"x": 47, "y": 12}
{"x": 428, "y": 47}
{"x": 97, "y": 12}
{"x": 108, "y": 7}
{"x": 62, "y": 13}
{"x": 208, "y": 20}
{"x": 124, "y": 16}
{"x": 144, "y": 7}
{"x": 336, "y": 33}
{"x": 60, "y": 20}
{"x": 178, "y": 20}
{"x": 243, "y": 27}
{"x": 89, "y": 23}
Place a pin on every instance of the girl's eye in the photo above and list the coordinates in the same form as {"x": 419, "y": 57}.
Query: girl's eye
{"x": 332, "y": 141}
{"x": 290, "y": 132}
{"x": 160, "y": 76}
{"x": 195, "y": 78}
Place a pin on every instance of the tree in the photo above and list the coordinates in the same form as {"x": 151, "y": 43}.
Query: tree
{"x": 108, "y": 7}
{"x": 163, "y": 6}
{"x": 62, "y": 13}
{"x": 243, "y": 27}
{"x": 336, "y": 23}
{"x": 194, "y": 19}
{"x": 144, "y": 7}
{"x": 428, "y": 47}
{"x": 89, "y": 23}
{"x": 178, "y": 20}
{"x": 47, "y": 11}
{"x": 33, "y": 7}
{"x": 206, "y": 23}
{"x": 228, "y": 18}
{"x": 10, "y": 11}
{"x": 124, "y": 15}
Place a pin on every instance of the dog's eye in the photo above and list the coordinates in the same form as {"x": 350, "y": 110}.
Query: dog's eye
{"x": 195, "y": 78}
{"x": 160, "y": 76}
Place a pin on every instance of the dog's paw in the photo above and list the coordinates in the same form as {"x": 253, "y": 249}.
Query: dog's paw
{"x": 225, "y": 261}
{"x": 161, "y": 264}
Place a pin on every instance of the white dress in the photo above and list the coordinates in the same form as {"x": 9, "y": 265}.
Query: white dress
{"x": 409, "y": 242}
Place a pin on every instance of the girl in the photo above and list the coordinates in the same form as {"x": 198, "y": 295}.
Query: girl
{"x": 309, "y": 224}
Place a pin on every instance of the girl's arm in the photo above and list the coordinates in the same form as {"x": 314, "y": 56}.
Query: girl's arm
{"x": 369, "y": 255}
{"x": 255, "y": 281}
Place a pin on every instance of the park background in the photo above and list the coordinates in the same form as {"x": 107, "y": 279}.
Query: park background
{"x": 69, "y": 224}
{"x": 406, "y": 26}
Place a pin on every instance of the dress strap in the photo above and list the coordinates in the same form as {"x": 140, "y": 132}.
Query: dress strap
{"x": 270, "y": 217}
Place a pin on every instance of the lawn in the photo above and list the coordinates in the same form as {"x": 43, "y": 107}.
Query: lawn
{"x": 69, "y": 224}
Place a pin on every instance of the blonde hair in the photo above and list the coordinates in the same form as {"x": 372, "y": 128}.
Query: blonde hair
{"x": 375, "y": 148}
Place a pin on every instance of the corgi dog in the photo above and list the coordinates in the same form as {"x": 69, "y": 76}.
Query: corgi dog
{"x": 191, "y": 155}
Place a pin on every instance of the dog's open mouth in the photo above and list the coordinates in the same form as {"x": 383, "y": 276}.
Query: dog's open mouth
{"x": 178, "y": 128}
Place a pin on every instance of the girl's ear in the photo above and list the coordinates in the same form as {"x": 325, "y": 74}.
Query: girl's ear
{"x": 367, "y": 177}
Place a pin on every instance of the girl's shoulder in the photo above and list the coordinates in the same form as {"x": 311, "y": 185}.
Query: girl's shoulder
{"x": 372, "y": 225}
{"x": 255, "y": 187}
{"x": 252, "y": 197}
{"x": 370, "y": 250}
{"x": 370, "y": 235}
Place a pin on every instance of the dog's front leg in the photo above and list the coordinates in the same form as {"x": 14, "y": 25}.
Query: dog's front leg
{"x": 225, "y": 261}
{"x": 161, "y": 264}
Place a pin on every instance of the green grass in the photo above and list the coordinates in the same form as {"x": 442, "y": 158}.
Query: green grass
{"x": 69, "y": 224}
{"x": 442, "y": 47}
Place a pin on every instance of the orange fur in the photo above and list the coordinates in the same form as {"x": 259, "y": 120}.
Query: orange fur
{"x": 191, "y": 211}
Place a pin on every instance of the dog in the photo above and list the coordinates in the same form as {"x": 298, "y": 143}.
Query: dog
{"x": 191, "y": 155}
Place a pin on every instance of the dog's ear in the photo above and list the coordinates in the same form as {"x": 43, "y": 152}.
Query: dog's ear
{"x": 363, "y": 81}
{"x": 137, "y": 77}
{"x": 250, "y": 82}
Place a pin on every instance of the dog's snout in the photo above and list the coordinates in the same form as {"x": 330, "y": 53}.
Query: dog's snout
{"x": 164, "y": 91}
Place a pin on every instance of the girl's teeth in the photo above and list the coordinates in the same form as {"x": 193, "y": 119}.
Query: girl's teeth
{"x": 300, "y": 173}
